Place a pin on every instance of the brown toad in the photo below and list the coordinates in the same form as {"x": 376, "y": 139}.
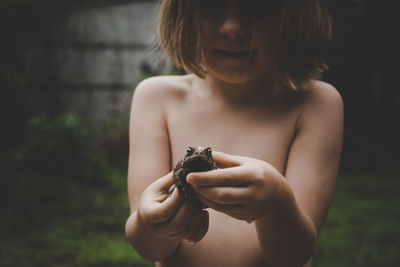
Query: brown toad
{"x": 196, "y": 160}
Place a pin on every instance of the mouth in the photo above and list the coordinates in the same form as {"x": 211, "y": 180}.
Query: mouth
{"x": 233, "y": 54}
{"x": 198, "y": 165}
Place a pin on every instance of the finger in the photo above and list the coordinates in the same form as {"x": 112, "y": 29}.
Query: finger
{"x": 225, "y": 208}
{"x": 166, "y": 210}
{"x": 224, "y": 160}
{"x": 235, "y": 176}
{"x": 236, "y": 211}
{"x": 202, "y": 228}
{"x": 164, "y": 183}
{"x": 224, "y": 195}
{"x": 179, "y": 221}
{"x": 192, "y": 224}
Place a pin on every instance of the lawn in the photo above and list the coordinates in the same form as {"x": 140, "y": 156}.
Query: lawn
{"x": 88, "y": 230}
{"x": 85, "y": 230}
{"x": 362, "y": 228}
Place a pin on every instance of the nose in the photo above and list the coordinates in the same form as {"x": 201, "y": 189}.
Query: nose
{"x": 232, "y": 27}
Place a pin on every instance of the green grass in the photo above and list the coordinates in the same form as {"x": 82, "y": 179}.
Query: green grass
{"x": 87, "y": 230}
{"x": 362, "y": 228}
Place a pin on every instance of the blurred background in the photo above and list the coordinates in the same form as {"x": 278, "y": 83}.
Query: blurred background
{"x": 67, "y": 73}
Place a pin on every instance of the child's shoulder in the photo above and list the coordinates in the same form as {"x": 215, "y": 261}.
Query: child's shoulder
{"x": 320, "y": 100}
{"x": 319, "y": 93}
{"x": 164, "y": 87}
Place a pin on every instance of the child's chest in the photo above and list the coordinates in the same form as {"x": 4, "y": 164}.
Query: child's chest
{"x": 261, "y": 134}
{"x": 228, "y": 242}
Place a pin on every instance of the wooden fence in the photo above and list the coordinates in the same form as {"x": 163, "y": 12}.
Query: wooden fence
{"x": 92, "y": 59}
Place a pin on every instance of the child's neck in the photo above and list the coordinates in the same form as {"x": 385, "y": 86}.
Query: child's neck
{"x": 251, "y": 93}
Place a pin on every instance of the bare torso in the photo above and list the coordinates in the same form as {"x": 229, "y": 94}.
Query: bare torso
{"x": 264, "y": 132}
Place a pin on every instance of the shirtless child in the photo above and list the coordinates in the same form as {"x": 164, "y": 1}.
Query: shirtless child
{"x": 253, "y": 96}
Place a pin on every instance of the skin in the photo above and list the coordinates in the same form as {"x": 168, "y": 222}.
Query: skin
{"x": 283, "y": 181}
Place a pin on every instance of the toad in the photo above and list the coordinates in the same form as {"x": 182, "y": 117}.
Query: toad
{"x": 196, "y": 160}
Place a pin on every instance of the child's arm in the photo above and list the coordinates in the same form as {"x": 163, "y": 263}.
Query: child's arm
{"x": 157, "y": 222}
{"x": 289, "y": 212}
{"x": 161, "y": 221}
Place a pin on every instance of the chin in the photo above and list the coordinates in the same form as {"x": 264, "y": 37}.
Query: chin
{"x": 235, "y": 71}
{"x": 235, "y": 76}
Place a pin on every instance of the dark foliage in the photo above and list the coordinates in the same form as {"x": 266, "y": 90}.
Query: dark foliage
{"x": 44, "y": 174}
{"x": 60, "y": 147}
{"x": 363, "y": 65}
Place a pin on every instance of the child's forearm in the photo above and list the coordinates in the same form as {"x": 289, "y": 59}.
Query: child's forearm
{"x": 145, "y": 243}
{"x": 287, "y": 235}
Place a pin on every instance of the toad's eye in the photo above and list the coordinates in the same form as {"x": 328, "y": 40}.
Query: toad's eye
{"x": 190, "y": 151}
{"x": 208, "y": 151}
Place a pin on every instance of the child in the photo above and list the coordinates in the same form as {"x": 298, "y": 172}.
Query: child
{"x": 253, "y": 96}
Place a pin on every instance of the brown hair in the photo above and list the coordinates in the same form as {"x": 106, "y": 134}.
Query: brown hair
{"x": 301, "y": 32}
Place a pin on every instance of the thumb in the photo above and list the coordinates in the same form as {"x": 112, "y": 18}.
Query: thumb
{"x": 163, "y": 184}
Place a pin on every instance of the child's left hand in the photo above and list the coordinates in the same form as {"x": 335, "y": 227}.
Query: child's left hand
{"x": 242, "y": 188}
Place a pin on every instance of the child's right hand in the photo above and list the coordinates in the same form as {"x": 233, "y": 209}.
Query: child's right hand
{"x": 172, "y": 216}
